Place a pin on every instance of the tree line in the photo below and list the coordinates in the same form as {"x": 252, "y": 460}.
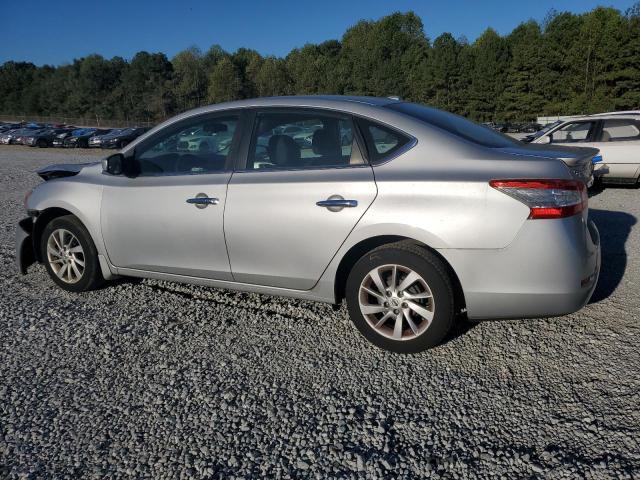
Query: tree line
{"x": 568, "y": 64}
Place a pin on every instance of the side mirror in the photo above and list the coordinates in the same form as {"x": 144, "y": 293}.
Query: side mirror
{"x": 114, "y": 164}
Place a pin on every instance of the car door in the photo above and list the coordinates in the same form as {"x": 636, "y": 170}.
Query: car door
{"x": 167, "y": 214}
{"x": 296, "y": 197}
{"x": 619, "y": 144}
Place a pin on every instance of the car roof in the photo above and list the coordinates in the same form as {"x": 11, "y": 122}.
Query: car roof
{"x": 602, "y": 116}
{"x": 626, "y": 112}
{"x": 346, "y": 102}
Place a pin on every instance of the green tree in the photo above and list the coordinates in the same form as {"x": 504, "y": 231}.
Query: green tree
{"x": 271, "y": 79}
{"x": 380, "y": 58}
{"x": 522, "y": 97}
{"x": 189, "y": 84}
{"x": 224, "y": 82}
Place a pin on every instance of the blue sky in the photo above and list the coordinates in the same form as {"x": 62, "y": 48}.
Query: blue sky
{"x": 56, "y": 32}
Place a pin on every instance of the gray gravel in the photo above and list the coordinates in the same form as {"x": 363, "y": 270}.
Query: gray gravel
{"x": 157, "y": 379}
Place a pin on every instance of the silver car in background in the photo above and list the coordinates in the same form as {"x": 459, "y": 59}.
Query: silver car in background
{"x": 410, "y": 214}
{"x": 615, "y": 134}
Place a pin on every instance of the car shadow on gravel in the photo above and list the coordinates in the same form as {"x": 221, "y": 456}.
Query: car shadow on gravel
{"x": 460, "y": 327}
{"x": 614, "y": 228}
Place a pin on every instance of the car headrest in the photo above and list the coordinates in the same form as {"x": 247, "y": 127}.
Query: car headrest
{"x": 606, "y": 136}
{"x": 283, "y": 150}
{"x": 326, "y": 144}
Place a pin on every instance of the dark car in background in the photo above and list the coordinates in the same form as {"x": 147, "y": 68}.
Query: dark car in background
{"x": 530, "y": 127}
{"x": 44, "y": 138}
{"x": 122, "y": 137}
{"x": 96, "y": 140}
{"x": 5, "y": 127}
{"x": 58, "y": 141}
{"x": 80, "y": 138}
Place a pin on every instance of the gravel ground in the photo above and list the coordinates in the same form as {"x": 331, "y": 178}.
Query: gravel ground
{"x": 157, "y": 379}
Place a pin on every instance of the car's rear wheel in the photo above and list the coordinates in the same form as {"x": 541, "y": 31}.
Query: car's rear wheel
{"x": 41, "y": 143}
{"x": 401, "y": 298}
{"x": 70, "y": 255}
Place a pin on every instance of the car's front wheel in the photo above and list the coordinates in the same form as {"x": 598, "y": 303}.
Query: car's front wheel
{"x": 401, "y": 298}
{"x": 70, "y": 255}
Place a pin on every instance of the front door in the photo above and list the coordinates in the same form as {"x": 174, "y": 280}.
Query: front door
{"x": 167, "y": 215}
{"x": 303, "y": 189}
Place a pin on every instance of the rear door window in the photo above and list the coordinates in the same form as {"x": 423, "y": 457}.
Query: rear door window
{"x": 299, "y": 139}
{"x": 620, "y": 130}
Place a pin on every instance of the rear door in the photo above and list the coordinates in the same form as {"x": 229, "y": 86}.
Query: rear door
{"x": 302, "y": 188}
{"x": 619, "y": 144}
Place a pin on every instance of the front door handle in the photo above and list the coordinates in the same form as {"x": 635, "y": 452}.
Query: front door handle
{"x": 335, "y": 203}
{"x": 202, "y": 200}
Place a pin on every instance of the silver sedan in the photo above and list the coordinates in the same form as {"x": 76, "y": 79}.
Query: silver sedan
{"x": 414, "y": 216}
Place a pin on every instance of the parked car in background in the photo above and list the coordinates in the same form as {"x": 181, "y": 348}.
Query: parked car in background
{"x": 80, "y": 138}
{"x": 616, "y": 135}
{"x": 11, "y": 137}
{"x": 123, "y": 137}
{"x": 44, "y": 138}
{"x": 96, "y": 140}
{"x": 9, "y": 126}
{"x": 530, "y": 127}
{"x": 58, "y": 141}
{"x": 422, "y": 216}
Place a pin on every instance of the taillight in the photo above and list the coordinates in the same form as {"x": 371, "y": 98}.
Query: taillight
{"x": 547, "y": 198}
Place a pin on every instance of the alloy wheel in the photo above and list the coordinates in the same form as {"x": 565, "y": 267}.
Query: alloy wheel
{"x": 396, "y": 302}
{"x": 65, "y": 255}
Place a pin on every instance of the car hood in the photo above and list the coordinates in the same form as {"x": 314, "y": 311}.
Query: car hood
{"x": 570, "y": 155}
{"x": 63, "y": 170}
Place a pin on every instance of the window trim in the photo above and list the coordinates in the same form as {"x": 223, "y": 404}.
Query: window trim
{"x": 175, "y": 127}
{"x": 249, "y": 139}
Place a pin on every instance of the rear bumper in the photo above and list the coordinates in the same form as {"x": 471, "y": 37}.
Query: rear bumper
{"x": 25, "y": 255}
{"x": 550, "y": 269}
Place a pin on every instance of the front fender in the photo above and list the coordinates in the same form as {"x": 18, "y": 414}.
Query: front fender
{"x": 78, "y": 198}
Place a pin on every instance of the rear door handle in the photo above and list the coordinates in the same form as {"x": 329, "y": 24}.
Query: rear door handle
{"x": 335, "y": 203}
{"x": 202, "y": 200}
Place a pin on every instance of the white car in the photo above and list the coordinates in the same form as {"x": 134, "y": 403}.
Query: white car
{"x": 616, "y": 135}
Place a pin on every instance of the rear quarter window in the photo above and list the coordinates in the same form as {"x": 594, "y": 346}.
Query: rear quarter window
{"x": 382, "y": 142}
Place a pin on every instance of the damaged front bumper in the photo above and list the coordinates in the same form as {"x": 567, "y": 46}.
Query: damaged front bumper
{"x": 25, "y": 254}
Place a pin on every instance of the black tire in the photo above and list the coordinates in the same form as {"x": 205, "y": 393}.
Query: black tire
{"x": 434, "y": 273}
{"x": 41, "y": 143}
{"x": 92, "y": 275}
{"x": 122, "y": 144}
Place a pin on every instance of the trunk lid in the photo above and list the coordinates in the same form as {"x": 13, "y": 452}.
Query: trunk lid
{"x": 578, "y": 159}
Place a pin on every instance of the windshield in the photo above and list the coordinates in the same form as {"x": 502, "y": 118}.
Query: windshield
{"x": 456, "y": 125}
{"x": 544, "y": 130}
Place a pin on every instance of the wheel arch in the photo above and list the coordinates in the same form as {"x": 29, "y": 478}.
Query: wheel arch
{"x": 350, "y": 258}
{"x": 42, "y": 220}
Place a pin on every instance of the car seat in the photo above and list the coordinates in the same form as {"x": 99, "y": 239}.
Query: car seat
{"x": 327, "y": 146}
{"x": 284, "y": 151}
